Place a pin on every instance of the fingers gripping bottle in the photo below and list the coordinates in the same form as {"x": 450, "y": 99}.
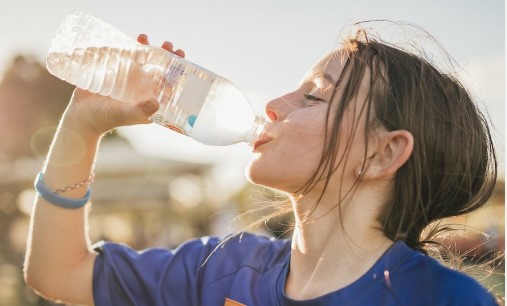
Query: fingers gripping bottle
{"x": 95, "y": 56}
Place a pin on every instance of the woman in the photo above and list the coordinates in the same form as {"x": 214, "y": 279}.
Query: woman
{"x": 373, "y": 146}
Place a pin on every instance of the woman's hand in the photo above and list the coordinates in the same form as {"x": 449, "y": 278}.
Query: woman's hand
{"x": 96, "y": 114}
{"x": 167, "y": 45}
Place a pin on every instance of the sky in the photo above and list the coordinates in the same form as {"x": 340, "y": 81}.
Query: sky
{"x": 266, "y": 47}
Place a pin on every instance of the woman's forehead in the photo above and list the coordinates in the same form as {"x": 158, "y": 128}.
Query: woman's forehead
{"x": 328, "y": 69}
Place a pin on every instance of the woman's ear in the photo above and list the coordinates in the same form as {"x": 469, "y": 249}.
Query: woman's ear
{"x": 393, "y": 150}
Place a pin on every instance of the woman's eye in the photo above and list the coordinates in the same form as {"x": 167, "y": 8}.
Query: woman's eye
{"x": 313, "y": 98}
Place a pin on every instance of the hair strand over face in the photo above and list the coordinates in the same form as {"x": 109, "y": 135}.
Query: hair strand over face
{"x": 452, "y": 169}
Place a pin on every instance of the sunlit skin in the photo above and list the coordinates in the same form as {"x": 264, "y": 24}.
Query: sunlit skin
{"x": 350, "y": 232}
{"x": 330, "y": 249}
{"x": 297, "y": 133}
{"x": 291, "y": 156}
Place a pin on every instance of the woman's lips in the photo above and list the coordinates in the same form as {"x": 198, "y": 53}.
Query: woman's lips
{"x": 260, "y": 142}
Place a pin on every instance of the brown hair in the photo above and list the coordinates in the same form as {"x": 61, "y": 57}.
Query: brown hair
{"x": 452, "y": 169}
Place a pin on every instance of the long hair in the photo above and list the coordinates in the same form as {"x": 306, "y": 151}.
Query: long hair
{"x": 452, "y": 169}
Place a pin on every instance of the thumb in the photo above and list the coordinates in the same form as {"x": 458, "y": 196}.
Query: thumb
{"x": 140, "y": 112}
{"x": 148, "y": 108}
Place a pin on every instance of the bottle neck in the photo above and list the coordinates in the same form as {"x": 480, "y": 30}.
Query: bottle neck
{"x": 259, "y": 130}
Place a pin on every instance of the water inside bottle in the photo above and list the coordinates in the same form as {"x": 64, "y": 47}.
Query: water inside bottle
{"x": 193, "y": 101}
{"x": 204, "y": 106}
{"x": 113, "y": 72}
{"x": 226, "y": 117}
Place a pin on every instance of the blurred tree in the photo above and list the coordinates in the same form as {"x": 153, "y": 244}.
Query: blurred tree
{"x": 31, "y": 99}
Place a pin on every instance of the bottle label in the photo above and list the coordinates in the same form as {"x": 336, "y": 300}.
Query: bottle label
{"x": 189, "y": 89}
{"x": 192, "y": 85}
{"x": 194, "y": 92}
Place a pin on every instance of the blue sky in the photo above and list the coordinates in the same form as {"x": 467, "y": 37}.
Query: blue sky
{"x": 265, "y": 47}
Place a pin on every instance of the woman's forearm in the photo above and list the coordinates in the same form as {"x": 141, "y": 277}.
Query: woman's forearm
{"x": 58, "y": 246}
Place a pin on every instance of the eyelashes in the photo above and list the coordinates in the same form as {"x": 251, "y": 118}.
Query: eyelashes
{"x": 313, "y": 100}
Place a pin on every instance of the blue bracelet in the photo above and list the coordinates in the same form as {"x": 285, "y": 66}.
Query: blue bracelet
{"x": 53, "y": 198}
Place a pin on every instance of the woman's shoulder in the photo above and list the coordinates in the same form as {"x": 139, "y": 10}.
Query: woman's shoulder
{"x": 431, "y": 280}
{"x": 243, "y": 242}
{"x": 235, "y": 249}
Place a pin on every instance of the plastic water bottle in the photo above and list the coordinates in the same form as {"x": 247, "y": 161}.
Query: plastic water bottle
{"x": 95, "y": 56}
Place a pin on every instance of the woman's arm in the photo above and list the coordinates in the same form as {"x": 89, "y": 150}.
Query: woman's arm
{"x": 59, "y": 262}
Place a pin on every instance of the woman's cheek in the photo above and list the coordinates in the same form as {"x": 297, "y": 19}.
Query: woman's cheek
{"x": 289, "y": 161}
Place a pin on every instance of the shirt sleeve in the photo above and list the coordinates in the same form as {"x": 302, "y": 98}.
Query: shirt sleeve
{"x": 123, "y": 276}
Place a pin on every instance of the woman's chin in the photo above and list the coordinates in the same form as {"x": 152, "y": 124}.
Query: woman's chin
{"x": 252, "y": 173}
{"x": 258, "y": 174}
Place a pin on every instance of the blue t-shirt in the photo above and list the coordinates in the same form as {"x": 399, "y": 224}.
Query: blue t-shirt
{"x": 252, "y": 270}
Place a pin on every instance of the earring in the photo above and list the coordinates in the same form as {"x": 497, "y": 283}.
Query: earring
{"x": 359, "y": 172}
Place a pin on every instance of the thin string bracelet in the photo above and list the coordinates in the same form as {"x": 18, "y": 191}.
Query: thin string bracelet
{"x": 88, "y": 181}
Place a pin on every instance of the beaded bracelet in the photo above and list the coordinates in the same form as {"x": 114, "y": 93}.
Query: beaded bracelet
{"x": 53, "y": 197}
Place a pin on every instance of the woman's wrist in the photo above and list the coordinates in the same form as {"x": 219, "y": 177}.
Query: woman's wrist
{"x": 72, "y": 153}
{"x": 73, "y": 123}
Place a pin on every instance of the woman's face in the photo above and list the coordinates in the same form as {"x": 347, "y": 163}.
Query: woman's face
{"x": 296, "y": 139}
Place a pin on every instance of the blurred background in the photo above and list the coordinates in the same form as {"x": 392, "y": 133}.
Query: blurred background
{"x": 157, "y": 188}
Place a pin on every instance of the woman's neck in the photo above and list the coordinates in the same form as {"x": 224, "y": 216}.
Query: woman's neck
{"x": 332, "y": 246}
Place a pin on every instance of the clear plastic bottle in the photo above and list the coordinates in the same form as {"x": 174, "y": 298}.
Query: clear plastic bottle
{"x": 95, "y": 56}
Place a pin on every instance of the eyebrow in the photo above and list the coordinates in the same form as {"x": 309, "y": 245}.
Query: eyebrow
{"x": 325, "y": 77}
{"x": 328, "y": 78}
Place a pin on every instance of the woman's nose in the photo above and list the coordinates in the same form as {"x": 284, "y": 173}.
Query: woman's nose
{"x": 279, "y": 108}
{"x": 271, "y": 112}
